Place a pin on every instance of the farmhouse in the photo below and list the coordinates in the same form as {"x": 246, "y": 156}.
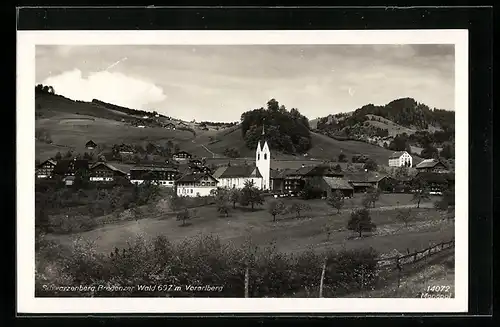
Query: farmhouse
{"x": 169, "y": 126}
{"x": 333, "y": 184}
{"x": 432, "y": 165}
{"x": 196, "y": 184}
{"x": 160, "y": 175}
{"x": 437, "y": 182}
{"x": 90, "y": 145}
{"x": 70, "y": 167}
{"x": 182, "y": 156}
{"x": 400, "y": 159}
{"x": 292, "y": 181}
{"x": 44, "y": 170}
{"x": 104, "y": 172}
{"x": 362, "y": 181}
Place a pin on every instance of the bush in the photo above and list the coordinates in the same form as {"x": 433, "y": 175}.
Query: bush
{"x": 203, "y": 260}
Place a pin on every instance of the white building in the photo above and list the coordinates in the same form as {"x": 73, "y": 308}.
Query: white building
{"x": 260, "y": 173}
{"x": 196, "y": 184}
{"x": 236, "y": 176}
{"x": 400, "y": 159}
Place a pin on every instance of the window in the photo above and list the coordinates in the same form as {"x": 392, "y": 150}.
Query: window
{"x": 212, "y": 183}
{"x": 191, "y": 191}
{"x": 265, "y": 156}
{"x": 202, "y": 183}
{"x": 258, "y": 156}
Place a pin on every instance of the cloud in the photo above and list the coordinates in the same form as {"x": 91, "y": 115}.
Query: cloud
{"x": 112, "y": 87}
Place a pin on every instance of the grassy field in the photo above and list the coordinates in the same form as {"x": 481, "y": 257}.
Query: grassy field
{"x": 291, "y": 233}
{"x": 437, "y": 270}
{"x": 71, "y": 124}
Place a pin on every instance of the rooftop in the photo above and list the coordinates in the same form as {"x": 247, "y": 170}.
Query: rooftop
{"x": 337, "y": 183}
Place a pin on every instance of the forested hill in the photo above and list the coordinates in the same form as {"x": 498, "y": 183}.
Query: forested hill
{"x": 405, "y": 112}
{"x": 286, "y": 131}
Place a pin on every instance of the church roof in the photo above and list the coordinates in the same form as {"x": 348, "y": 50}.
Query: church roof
{"x": 243, "y": 171}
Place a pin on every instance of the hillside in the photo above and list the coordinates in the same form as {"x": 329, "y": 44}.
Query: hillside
{"x": 402, "y": 124}
{"x": 70, "y": 124}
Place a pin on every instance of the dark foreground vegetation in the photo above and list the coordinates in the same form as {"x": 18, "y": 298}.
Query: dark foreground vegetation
{"x": 199, "y": 261}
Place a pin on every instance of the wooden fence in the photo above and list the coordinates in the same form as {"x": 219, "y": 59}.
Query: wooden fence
{"x": 397, "y": 261}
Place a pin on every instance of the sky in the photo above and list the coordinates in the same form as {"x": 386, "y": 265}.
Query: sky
{"x": 220, "y": 82}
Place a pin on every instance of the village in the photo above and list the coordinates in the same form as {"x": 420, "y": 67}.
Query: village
{"x": 191, "y": 177}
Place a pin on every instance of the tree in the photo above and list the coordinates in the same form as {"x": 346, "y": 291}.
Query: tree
{"x": 221, "y": 200}
{"x": 371, "y": 197}
{"x": 299, "y": 207}
{"x": 184, "y": 215}
{"x": 337, "y": 168}
{"x": 370, "y": 165}
{"x": 68, "y": 154}
{"x": 336, "y": 200}
{"x": 447, "y": 199}
{"x": 87, "y": 156}
{"x": 58, "y": 156}
{"x": 447, "y": 151}
{"x": 311, "y": 192}
{"x": 342, "y": 157}
{"x": 404, "y": 216}
{"x": 429, "y": 152}
{"x": 234, "y": 196}
{"x": 276, "y": 208}
{"x": 360, "y": 221}
{"x": 251, "y": 195}
{"x": 421, "y": 192}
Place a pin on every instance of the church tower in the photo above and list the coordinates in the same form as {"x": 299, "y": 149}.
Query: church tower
{"x": 263, "y": 161}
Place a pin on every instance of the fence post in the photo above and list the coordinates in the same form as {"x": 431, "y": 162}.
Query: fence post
{"x": 322, "y": 279}
{"x": 398, "y": 266}
{"x": 246, "y": 280}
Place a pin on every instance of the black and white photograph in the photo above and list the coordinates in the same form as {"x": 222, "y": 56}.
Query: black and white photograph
{"x": 238, "y": 169}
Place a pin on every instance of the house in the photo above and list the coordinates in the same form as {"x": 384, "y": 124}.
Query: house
{"x": 45, "y": 169}
{"x": 362, "y": 181}
{"x": 196, "y": 184}
{"x": 333, "y": 184}
{"x": 432, "y": 165}
{"x": 169, "y": 126}
{"x": 196, "y": 162}
{"x": 436, "y": 181}
{"x": 182, "y": 124}
{"x": 390, "y": 184}
{"x": 235, "y": 176}
{"x": 159, "y": 175}
{"x": 104, "y": 172}
{"x": 141, "y": 126}
{"x": 400, "y": 159}
{"x": 182, "y": 156}
{"x": 71, "y": 167}
{"x": 124, "y": 149}
{"x": 90, "y": 145}
{"x": 292, "y": 181}
{"x": 69, "y": 180}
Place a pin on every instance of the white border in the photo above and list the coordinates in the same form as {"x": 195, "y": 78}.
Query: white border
{"x": 27, "y": 303}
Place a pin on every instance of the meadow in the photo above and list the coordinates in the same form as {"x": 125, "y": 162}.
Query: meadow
{"x": 289, "y": 232}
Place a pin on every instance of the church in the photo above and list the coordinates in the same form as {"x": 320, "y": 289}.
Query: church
{"x": 235, "y": 176}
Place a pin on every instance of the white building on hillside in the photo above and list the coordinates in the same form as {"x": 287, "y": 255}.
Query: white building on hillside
{"x": 400, "y": 159}
{"x": 196, "y": 184}
{"x": 236, "y": 176}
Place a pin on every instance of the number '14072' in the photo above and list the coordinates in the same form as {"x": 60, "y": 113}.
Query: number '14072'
{"x": 438, "y": 288}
